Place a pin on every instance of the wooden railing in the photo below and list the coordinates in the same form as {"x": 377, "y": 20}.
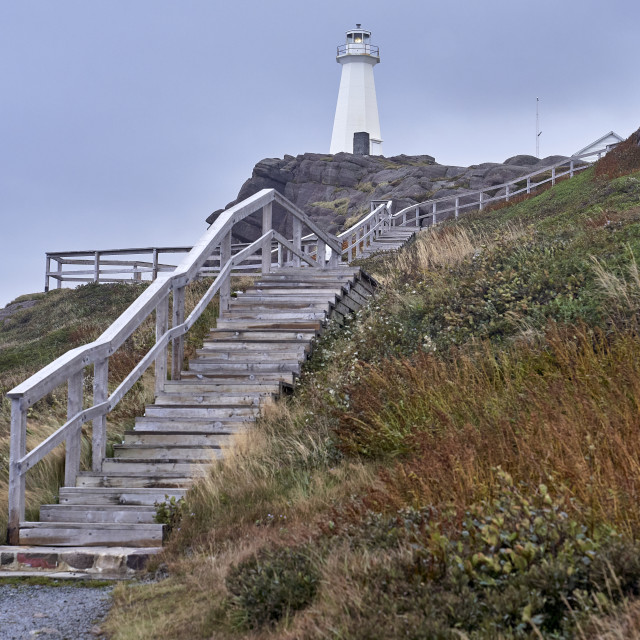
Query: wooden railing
{"x": 131, "y": 265}
{"x": 430, "y": 212}
{"x": 355, "y": 239}
{"x": 69, "y": 369}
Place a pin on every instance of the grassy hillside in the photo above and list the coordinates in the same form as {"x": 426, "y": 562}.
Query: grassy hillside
{"x": 31, "y": 338}
{"x": 460, "y": 462}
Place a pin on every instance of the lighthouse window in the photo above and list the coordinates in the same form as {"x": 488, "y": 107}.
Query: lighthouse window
{"x": 358, "y": 38}
{"x": 349, "y": 38}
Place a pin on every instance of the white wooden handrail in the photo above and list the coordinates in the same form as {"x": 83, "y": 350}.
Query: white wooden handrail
{"x": 479, "y": 199}
{"x": 69, "y": 368}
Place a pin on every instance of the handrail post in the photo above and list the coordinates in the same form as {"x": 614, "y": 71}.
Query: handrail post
{"x": 404, "y": 219}
{"x": 267, "y": 219}
{"x": 457, "y": 213}
{"x": 74, "y": 439}
{"x": 297, "y": 240}
{"x": 481, "y": 203}
{"x": 47, "y": 268}
{"x": 59, "y": 272}
{"x": 528, "y": 185}
{"x": 16, "y": 477}
{"x": 96, "y": 267}
{"x": 433, "y": 214}
{"x": 571, "y": 169}
{"x": 100, "y": 394}
{"x": 506, "y": 193}
{"x": 154, "y": 273}
{"x": 553, "y": 176}
{"x": 162, "y": 326}
{"x": 225, "y": 287}
{"x": 417, "y": 216}
{"x": 321, "y": 254}
{"x": 177, "y": 350}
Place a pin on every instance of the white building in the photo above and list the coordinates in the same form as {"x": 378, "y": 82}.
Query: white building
{"x": 601, "y": 145}
{"x": 357, "y": 109}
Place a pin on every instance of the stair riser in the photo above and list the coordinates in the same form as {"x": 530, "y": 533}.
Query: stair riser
{"x": 215, "y": 427}
{"x": 115, "y": 497}
{"x": 219, "y": 369}
{"x": 228, "y": 323}
{"x": 126, "y": 536}
{"x": 151, "y": 468}
{"x": 135, "y": 482}
{"x": 247, "y": 357}
{"x": 237, "y": 314}
{"x": 235, "y": 398}
{"x": 177, "y": 439}
{"x": 266, "y": 336}
{"x": 181, "y": 412}
{"x": 168, "y": 452}
{"x": 188, "y": 387}
{"x": 228, "y": 346}
{"x": 95, "y": 514}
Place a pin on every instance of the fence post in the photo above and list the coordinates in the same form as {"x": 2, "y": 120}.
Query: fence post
{"x": 100, "y": 394}
{"x": 553, "y": 176}
{"x": 96, "y": 267}
{"x": 59, "y": 272}
{"x": 433, "y": 214}
{"x": 267, "y": 219}
{"x": 506, "y": 194}
{"x": 481, "y": 204}
{"x": 297, "y": 240}
{"x": 177, "y": 350}
{"x": 73, "y": 442}
{"x": 528, "y": 185}
{"x": 162, "y": 326}
{"x": 457, "y": 213}
{"x": 16, "y": 477}
{"x": 47, "y": 268}
{"x": 571, "y": 169}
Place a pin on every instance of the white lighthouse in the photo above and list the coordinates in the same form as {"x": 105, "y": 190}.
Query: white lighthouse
{"x": 357, "y": 109}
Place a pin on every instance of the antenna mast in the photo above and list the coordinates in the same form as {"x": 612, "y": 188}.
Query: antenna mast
{"x": 538, "y": 132}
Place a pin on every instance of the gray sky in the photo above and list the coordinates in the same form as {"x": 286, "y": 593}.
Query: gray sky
{"x": 126, "y": 122}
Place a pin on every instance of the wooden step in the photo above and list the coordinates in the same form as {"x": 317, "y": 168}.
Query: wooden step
{"x": 203, "y": 425}
{"x": 167, "y": 452}
{"x": 132, "y": 480}
{"x": 201, "y": 365}
{"x": 76, "y": 534}
{"x": 199, "y": 411}
{"x": 262, "y": 335}
{"x": 255, "y": 398}
{"x": 248, "y": 356}
{"x": 117, "y": 496}
{"x": 175, "y": 466}
{"x": 298, "y": 325}
{"x": 177, "y": 438}
{"x": 212, "y": 386}
{"x": 299, "y": 346}
{"x": 93, "y": 513}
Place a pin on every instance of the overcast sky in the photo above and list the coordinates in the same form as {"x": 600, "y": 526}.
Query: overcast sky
{"x": 126, "y": 122}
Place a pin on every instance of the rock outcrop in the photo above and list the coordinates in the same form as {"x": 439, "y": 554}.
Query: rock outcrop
{"x": 336, "y": 189}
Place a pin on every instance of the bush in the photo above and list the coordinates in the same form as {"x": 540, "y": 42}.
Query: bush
{"x": 271, "y": 585}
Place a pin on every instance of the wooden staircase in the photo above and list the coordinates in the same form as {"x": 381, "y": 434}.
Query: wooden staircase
{"x": 252, "y": 356}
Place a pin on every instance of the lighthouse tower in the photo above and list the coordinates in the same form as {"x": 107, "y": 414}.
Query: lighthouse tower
{"x": 357, "y": 109}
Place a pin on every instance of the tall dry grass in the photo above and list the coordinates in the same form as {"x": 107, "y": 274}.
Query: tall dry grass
{"x": 565, "y": 411}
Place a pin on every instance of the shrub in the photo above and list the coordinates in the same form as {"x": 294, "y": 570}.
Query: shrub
{"x": 271, "y": 585}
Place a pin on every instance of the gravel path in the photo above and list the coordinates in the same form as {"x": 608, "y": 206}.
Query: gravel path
{"x": 52, "y": 613}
